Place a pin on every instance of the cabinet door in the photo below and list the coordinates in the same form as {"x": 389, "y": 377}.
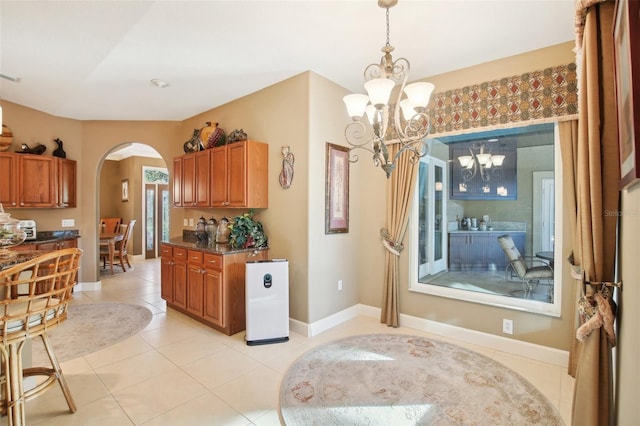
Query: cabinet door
{"x": 257, "y": 175}
{"x": 8, "y": 173}
{"x": 218, "y": 174}
{"x": 180, "y": 283}
{"x": 37, "y": 181}
{"x": 195, "y": 289}
{"x": 67, "y": 170}
{"x": 237, "y": 171}
{"x": 213, "y": 297}
{"x": 202, "y": 181}
{"x": 177, "y": 181}
{"x": 166, "y": 278}
{"x": 459, "y": 252}
{"x": 188, "y": 188}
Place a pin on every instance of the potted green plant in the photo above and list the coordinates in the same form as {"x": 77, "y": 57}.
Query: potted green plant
{"x": 245, "y": 232}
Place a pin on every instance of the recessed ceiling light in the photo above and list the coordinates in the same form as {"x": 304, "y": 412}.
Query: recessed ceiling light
{"x": 159, "y": 83}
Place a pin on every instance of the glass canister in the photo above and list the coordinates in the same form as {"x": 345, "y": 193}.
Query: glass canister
{"x": 211, "y": 229}
{"x": 201, "y": 234}
{"x": 10, "y": 234}
{"x": 222, "y": 234}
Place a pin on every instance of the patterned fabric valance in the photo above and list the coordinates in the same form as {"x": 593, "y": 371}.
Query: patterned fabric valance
{"x": 547, "y": 95}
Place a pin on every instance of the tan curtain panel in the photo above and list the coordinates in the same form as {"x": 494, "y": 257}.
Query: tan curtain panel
{"x": 400, "y": 187}
{"x": 594, "y": 158}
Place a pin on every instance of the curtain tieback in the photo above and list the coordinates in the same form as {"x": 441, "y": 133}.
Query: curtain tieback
{"x": 392, "y": 246}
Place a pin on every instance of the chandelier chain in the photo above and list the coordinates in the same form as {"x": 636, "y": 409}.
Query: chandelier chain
{"x": 388, "y": 38}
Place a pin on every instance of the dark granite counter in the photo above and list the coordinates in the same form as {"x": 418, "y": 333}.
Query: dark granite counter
{"x": 20, "y": 256}
{"x": 210, "y": 248}
{"x": 52, "y": 236}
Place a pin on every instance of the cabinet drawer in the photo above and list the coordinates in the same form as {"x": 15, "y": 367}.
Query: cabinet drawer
{"x": 213, "y": 261}
{"x": 166, "y": 251}
{"x": 180, "y": 253}
{"x": 195, "y": 257}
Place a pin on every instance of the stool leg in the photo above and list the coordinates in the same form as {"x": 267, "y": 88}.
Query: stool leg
{"x": 16, "y": 401}
{"x": 5, "y": 390}
{"x": 60, "y": 377}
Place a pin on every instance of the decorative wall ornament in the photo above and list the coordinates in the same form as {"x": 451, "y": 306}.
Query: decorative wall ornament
{"x": 286, "y": 175}
{"x": 237, "y": 135}
{"x": 59, "y": 151}
{"x": 193, "y": 144}
{"x": 541, "y": 96}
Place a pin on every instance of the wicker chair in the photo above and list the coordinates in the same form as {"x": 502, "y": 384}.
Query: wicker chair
{"x": 34, "y": 296}
{"x": 527, "y": 273}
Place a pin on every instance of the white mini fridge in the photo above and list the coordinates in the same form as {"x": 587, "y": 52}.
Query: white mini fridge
{"x": 267, "y": 301}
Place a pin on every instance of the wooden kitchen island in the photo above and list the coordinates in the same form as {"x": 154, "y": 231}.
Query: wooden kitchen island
{"x": 207, "y": 283}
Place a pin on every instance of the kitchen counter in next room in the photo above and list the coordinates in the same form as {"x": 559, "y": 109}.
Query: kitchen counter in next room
{"x": 480, "y": 250}
{"x": 206, "y": 282}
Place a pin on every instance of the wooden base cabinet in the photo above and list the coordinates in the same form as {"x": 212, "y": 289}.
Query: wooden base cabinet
{"x": 480, "y": 250}
{"x": 209, "y": 287}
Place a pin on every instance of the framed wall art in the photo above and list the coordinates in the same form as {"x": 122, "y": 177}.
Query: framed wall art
{"x": 337, "y": 190}
{"x": 626, "y": 42}
{"x": 125, "y": 190}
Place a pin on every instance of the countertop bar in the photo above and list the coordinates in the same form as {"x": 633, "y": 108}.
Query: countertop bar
{"x": 214, "y": 248}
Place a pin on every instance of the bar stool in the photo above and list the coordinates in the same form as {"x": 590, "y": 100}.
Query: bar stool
{"x": 34, "y": 297}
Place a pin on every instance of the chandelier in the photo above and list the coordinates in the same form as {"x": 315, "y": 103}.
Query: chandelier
{"x": 481, "y": 162}
{"x": 405, "y": 122}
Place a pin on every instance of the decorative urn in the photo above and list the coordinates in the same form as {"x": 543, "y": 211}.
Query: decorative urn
{"x": 10, "y": 234}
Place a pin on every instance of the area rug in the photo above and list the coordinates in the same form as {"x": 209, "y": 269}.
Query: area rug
{"x": 90, "y": 327}
{"x": 395, "y": 379}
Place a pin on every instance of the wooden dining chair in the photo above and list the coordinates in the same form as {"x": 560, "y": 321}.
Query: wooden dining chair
{"x": 110, "y": 224}
{"x": 34, "y": 297}
{"x": 121, "y": 253}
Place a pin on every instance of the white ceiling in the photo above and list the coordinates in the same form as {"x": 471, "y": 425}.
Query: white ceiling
{"x": 93, "y": 60}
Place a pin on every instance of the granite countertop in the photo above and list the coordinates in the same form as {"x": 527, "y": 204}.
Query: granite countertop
{"x": 50, "y": 236}
{"x": 213, "y": 248}
{"x": 20, "y": 257}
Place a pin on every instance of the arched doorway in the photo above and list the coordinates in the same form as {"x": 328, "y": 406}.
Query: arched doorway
{"x": 133, "y": 184}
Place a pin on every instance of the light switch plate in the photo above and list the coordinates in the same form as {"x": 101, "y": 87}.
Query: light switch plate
{"x": 68, "y": 222}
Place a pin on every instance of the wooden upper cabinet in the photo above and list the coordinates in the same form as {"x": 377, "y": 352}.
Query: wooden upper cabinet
{"x": 240, "y": 175}
{"x": 234, "y": 175}
{"x": 219, "y": 179}
{"x": 8, "y": 173}
{"x": 177, "y": 181}
{"x": 191, "y": 180}
{"x": 37, "y": 181}
{"x": 67, "y": 182}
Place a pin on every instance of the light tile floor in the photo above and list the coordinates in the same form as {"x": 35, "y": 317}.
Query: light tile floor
{"x": 180, "y": 372}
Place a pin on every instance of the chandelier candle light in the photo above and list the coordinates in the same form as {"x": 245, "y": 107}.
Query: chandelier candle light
{"x": 405, "y": 122}
{"x": 481, "y": 160}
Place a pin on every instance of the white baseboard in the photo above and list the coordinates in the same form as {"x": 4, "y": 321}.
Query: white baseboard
{"x": 503, "y": 344}
{"x": 88, "y": 286}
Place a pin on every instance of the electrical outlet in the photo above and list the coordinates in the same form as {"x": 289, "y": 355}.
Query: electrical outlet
{"x": 186, "y": 222}
{"x": 507, "y": 326}
{"x": 339, "y": 285}
{"x": 191, "y": 222}
{"x": 68, "y": 222}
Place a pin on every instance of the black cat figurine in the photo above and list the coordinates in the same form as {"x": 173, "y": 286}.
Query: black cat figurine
{"x": 59, "y": 152}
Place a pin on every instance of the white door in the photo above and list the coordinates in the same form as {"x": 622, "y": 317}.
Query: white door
{"x": 543, "y": 211}
{"x": 431, "y": 202}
